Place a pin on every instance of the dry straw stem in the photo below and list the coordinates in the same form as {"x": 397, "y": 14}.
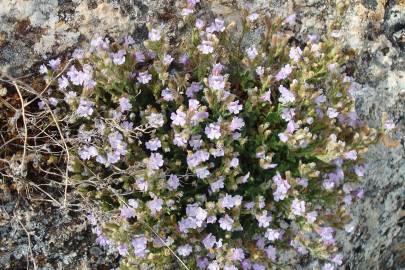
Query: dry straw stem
{"x": 31, "y": 255}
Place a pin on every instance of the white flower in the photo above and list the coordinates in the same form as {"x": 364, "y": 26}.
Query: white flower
{"x": 234, "y": 107}
{"x": 167, "y": 59}
{"x": 332, "y": 113}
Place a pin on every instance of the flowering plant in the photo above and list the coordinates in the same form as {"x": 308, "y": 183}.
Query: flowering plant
{"x": 215, "y": 155}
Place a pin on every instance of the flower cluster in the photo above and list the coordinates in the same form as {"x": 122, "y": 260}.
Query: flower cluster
{"x": 214, "y": 156}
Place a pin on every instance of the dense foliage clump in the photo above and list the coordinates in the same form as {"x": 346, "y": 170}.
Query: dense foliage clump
{"x": 212, "y": 154}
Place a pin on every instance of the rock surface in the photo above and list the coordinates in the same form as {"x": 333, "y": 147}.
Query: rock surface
{"x": 31, "y": 31}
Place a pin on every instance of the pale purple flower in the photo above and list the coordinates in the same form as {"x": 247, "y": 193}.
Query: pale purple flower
{"x": 197, "y": 158}
{"x": 88, "y": 152}
{"x": 144, "y": 77}
{"x": 123, "y": 249}
{"x": 128, "y": 40}
{"x": 139, "y": 57}
{"x": 78, "y": 54}
{"x": 155, "y": 206}
{"x": 253, "y": 17}
{"x": 238, "y": 254}
{"x": 183, "y": 59}
{"x": 298, "y": 207}
{"x": 295, "y": 53}
{"x": 389, "y": 125}
{"x": 252, "y": 52}
{"x": 260, "y": 71}
{"x": 283, "y": 137}
{"x": 173, "y": 183}
{"x": 199, "y": 24}
{"x": 133, "y": 203}
{"x": 226, "y": 223}
{"x": 206, "y": 47}
{"x": 63, "y": 82}
{"x": 217, "y": 185}
{"x": 213, "y": 131}
{"x": 125, "y": 104}
{"x": 117, "y": 143}
{"x": 271, "y": 252}
{"x": 302, "y": 182}
{"x": 155, "y": 120}
{"x": 126, "y": 125}
{"x": 102, "y": 240}
{"x": 153, "y": 144}
{"x": 284, "y": 72}
{"x": 202, "y": 173}
{"x": 332, "y": 113}
{"x": 193, "y": 104}
{"x": 286, "y": 95}
{"x": 291, "y": 19}
{"x": 272, "y": 234}
{"x": 352, "y": 155}
{"x": 119, "y": 57}
{"x": 216, "y": 82}
{"x": 266, "y": 96}
{"x": 167, "y": 59}
{"x": 313, "y": 38}
{"x": 360, "y": 170}
{"x": 43, "y": 69}
{"x": 216, "y": 26}
{"x": 99, "y": 43}
{"x": 264, "y": 219}
{"x": 237, "y": 123}
{"x": 213, "y": 266}
{"x": 282, "y": 188}
{"x": 155, "y": 161}
{"x": 154, "y": 35}
{"x": 291, "y": 126}
{"x": 326, "y": 234}
{"x": 230, "y": 267}
{"x": 53, "y": 101}
{"x": 54, "y": 64}
{"x": 328, "y": 266}
{"x": 127, "y": 212}
{"x": 229, "y": 201}
{"x": 178, "y": 118}
{"x": 186, "y": 11}
{"x": 192, "y": 89}
{"x": 139, "y": 243}
{"x": 167, "y": 94}
{"x": 234, "y": 107}
{"x": 142, "y": 184}
{"x": 209, "y": 241}
{"x": 195, "y": 142}
{"x": 219, "y": 152}
{"x": 234, "y": 163}
{"x": 184, "y": 250}
{"x": 179, "y": 140}
{"x": 85, "y": 108}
